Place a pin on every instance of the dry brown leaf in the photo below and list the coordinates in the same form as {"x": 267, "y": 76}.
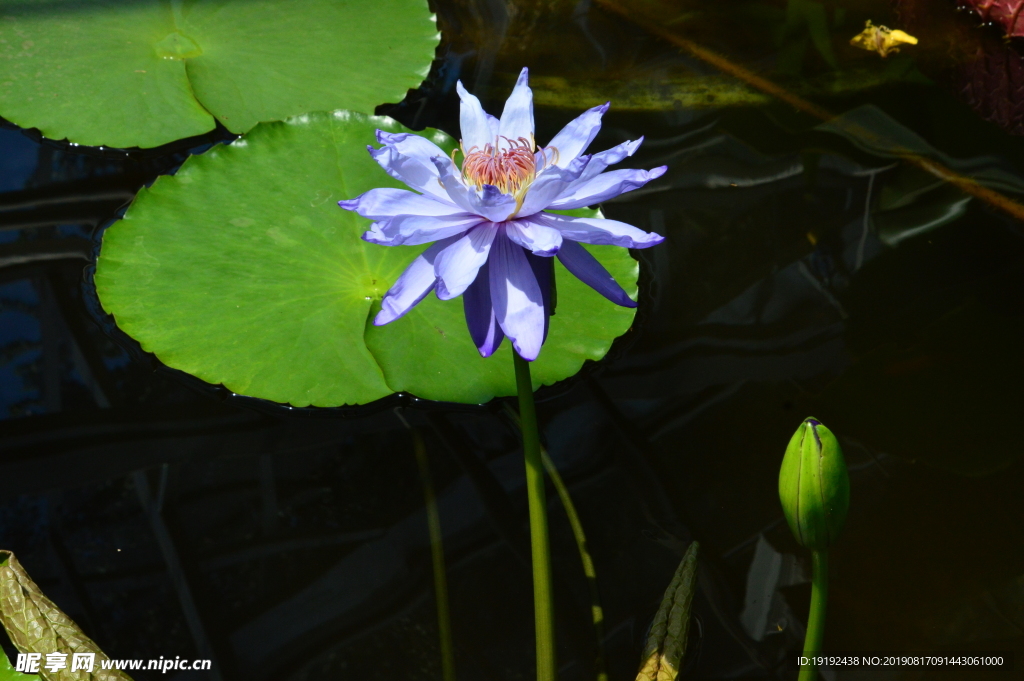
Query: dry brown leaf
{"x": 36, "y": 625}
{"x": 666, "y": 643}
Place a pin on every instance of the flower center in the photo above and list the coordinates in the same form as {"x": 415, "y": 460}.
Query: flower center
{"x": 511, "y": 170}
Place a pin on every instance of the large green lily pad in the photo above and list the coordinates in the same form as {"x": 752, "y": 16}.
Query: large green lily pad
{"x": 242, "y": 270}
{"x": 128, "y": 73}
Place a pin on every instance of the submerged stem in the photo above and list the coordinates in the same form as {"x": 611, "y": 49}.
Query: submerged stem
{"x": 444, "y": 624}
{"x": 543, "y": 606}
{"x": 816, "y": 619}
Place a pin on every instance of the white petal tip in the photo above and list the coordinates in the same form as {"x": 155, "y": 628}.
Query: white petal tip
{"x": 652, "y": 240}
{"x": 379, "y": 239}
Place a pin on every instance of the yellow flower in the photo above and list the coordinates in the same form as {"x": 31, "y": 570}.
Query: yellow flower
{"x": 882, "y": 40}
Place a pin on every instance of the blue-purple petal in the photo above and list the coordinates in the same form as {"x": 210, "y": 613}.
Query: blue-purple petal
{"x": 457, "y": 265}
{"x": 386, "y": 202}
{"x": 516, "y": 297}
{"x": 412, "y": 230}
{"x": 474, "y": 122}
{"x": 600, "y": 161}
{"x": 517, "y": 116}
{"x": 412, "y": 286}
{"x": 493, "y": 123}
{"x": 604, "y": 187}
{"x": 408, "y": 158}
{"x": 599, "y": 231}
{"x": 483, "y": 325}
{"x": 551, "y": 184}
{"x": 585, "y": 267}
{"x": 534, "y": 236}
{"x": 575, "y": 137}
{"x": 544, "y": 271}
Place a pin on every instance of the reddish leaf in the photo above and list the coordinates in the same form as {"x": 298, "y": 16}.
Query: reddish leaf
{"x": 1008, "y": 14}
{"x": 984, "y": 70}
{"x": 993, "y": 85}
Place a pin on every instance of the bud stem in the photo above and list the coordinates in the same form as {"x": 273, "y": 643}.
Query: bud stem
{"x": 543, "y": 607}
{"x": 816, "y": 618}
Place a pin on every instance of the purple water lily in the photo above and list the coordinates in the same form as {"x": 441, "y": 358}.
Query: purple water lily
{"x": 494, "y": 240}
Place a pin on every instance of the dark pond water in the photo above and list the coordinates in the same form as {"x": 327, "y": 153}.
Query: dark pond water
{"x": 808, "y": 270}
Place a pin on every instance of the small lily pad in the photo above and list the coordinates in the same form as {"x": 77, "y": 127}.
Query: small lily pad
{"x": 242, "y": 270}
{"x": 9, "y": 673}
{"x": 147, "y": 72}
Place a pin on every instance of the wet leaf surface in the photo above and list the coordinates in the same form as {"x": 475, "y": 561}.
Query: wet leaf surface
{"x": 145, "y": 73}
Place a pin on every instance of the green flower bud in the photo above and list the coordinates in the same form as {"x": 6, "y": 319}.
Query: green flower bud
{"x": 814, "y": 486}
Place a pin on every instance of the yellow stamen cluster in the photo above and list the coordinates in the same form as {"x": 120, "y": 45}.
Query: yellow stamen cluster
{"x": 512, "y": 169}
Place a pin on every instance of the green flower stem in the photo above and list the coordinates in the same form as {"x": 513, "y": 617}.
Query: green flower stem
{"x": 596, "y": 611}
{"x": 816, "y": 618}
{"x": 444, "y": 623}
{"x": 543, "y": 606}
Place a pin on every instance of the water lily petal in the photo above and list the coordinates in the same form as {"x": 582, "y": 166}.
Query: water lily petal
{"x": 412, "y": 230}
{"x": 517, "y": 116}
{"x": 534, "y": 236}
{"x": 457, "y": 265}
{"x": 599, "y": 231}
{"x": 599, "y": 162}
{"x": 412, "y": 286}
{"x": 609, "y": 157}
{"x": 387, "y": 202}
{"x": 575, "y": 137}
{"x": 483, "y": 325}
{"x": 605, "y": 186}
{"x": 544, "y": 271}
{"x": 407, "y": 158}
{"x": 494, "y": 124}
{"x": 474, "y": 122}
{"x": 488, "y": 202}
{"x": 516, "y": 297}
{"x": 550, "y": 185}
{"x": 587, "y": 269}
